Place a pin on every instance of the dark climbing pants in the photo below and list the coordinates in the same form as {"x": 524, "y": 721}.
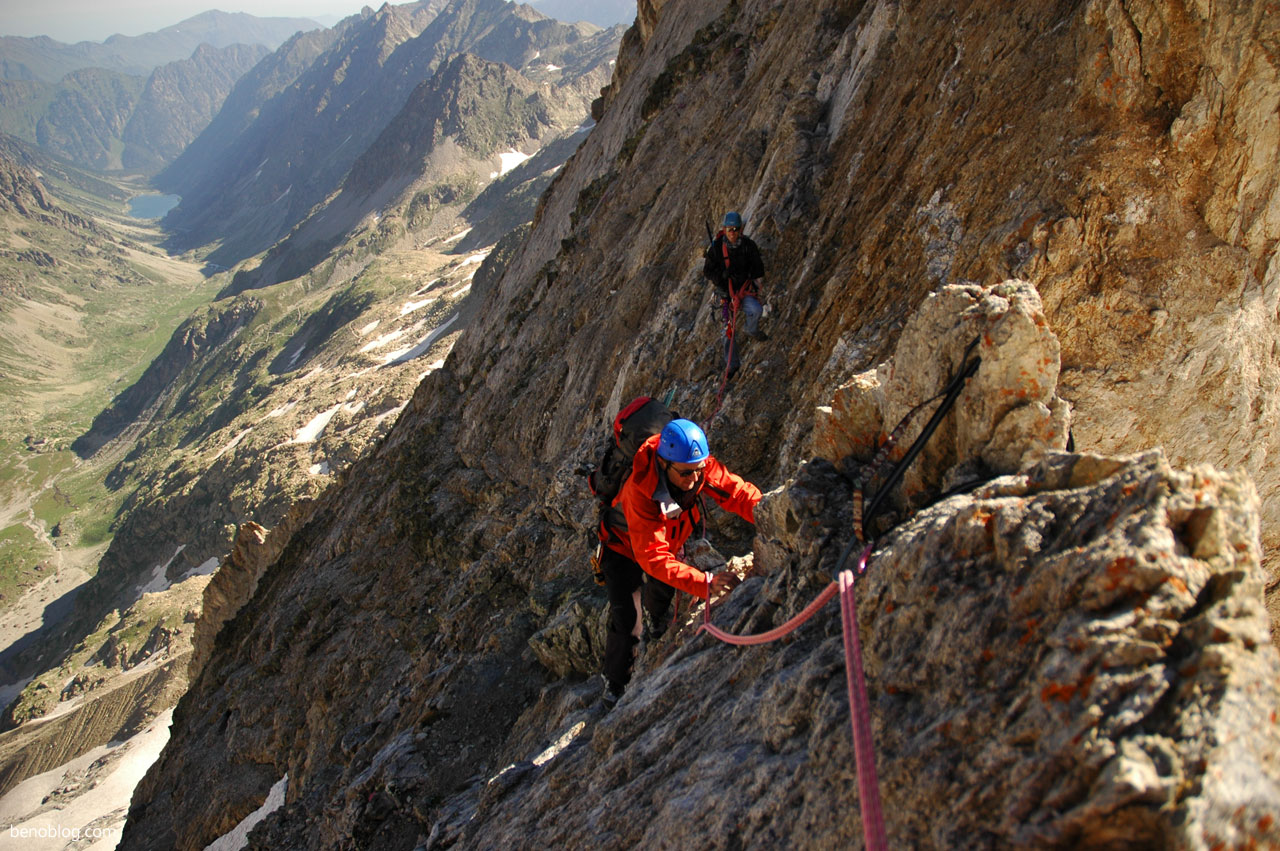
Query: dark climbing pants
{"x": 623, "y": 578}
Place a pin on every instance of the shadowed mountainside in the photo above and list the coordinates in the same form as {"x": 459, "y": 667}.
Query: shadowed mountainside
{"x": 300, "y": 145}
{"x": 112, "y": 121}
{"x": 450, "y": 131}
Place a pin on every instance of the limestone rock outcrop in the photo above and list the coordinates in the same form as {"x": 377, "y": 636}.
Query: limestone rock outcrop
{"x": 1068, "y": 657}
{"x": 1009, "y": 408}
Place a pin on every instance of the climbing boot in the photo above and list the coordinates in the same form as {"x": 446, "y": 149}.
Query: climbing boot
{"x": 611, "y": 694}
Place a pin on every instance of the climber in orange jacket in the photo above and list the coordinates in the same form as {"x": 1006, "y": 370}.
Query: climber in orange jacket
{"x": 660, "y": 502}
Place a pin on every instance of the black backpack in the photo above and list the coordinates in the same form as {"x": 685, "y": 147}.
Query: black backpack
{"x": 634, "y": 424}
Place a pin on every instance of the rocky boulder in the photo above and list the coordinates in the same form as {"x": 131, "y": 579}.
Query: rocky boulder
{"x": 1008, "y": 409}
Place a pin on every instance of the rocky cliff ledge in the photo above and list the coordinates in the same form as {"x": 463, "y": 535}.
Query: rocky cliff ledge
{"x": 1073, "y": 654}
{"x": 236, "y": 579}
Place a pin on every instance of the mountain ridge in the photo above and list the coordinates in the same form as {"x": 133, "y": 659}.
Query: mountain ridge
{"x": 43, "y": 58}
{"x": 112, "y": 121}
{"x": 250, "y": 203}
{"x": 889, "y": 160}
{"x": 259, "y": 85}
{"x": 451, "y": 127}
{"x": 178, "y": 102}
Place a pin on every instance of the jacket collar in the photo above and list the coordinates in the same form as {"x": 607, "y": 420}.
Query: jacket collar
{"x": 662, "y": 495}
{"x": 654, "y": 481}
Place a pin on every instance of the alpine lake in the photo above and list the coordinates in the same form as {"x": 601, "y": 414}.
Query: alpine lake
{"x": 152, "y": 206}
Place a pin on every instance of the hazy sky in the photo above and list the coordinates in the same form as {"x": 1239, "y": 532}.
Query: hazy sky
{"x": 94, "y": 20}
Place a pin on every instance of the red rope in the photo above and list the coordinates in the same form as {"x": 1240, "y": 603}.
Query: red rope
{"x": 773, "y": 634}
{"x": 864, "y": 746}
{"x": 859, "y": 706}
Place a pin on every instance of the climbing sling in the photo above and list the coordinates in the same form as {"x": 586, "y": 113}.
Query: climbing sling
{"x": 880, "y": 460}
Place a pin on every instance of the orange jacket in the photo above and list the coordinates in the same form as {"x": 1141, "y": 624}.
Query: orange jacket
{"x": 656, "y": 528}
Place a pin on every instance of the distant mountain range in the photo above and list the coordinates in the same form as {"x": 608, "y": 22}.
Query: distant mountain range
{"x": 281, "y": 146}
{"x": 42, "y": 58}
{"x": 132, "y": 103}
{"x": 112, "y": 121}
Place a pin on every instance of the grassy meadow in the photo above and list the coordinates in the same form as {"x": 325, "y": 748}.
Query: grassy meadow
{"x": 73, "y": 333}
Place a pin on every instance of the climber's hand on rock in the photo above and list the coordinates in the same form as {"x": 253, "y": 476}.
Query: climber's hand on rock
{"x": 724, "y": 582}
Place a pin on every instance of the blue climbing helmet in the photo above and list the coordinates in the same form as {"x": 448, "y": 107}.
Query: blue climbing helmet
{"x": 683, "y": 442}
{"x": 732, "y": 220}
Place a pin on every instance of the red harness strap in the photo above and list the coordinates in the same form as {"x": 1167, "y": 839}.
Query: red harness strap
{"x": 747, "y": 285}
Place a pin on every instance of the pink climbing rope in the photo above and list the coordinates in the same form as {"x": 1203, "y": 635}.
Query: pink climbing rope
{"x": 859, "y": 706}
{"x": 864, "y": 747}
{"x": 773, "y": 634}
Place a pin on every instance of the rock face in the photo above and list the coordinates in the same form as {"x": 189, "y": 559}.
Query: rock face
{"x": 21, "y": 192}
{"x": 1120, "y": 610}
{"x": 237, "y": 578}
{"x": 1007, "y": 411}
{"x": 1055, "y": 661}
{"x": 1074, "y": 654}
{"x": 1131, "y": 594}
